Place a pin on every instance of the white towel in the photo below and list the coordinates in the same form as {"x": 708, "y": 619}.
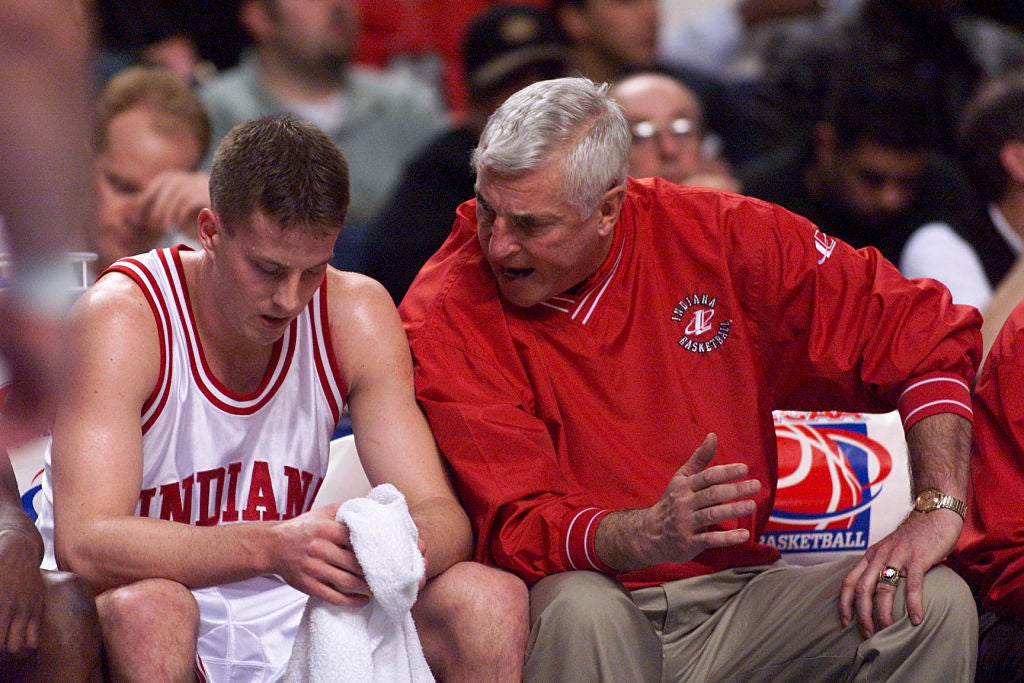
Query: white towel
{"x": 377, "y": 642}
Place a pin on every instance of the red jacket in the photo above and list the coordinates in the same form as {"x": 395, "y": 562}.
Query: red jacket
{"x": 710, "y": 310}
{"x": 990, "y": 553}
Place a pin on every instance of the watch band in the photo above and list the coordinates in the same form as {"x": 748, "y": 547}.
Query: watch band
{"x": 955, "y": 504}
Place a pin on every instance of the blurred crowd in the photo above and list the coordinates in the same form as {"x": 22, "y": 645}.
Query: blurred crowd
{"x": 884, "y": 121}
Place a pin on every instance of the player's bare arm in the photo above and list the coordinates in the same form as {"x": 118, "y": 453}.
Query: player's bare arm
{"x": 97, "y": 472}
{"x": 394, "y": 442}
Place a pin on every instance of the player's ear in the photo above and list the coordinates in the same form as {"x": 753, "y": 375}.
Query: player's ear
{"x": 209, "y": 228}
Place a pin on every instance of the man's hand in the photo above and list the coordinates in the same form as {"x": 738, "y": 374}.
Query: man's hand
{"x": 172, "y": 201}
{"x": 915, "y": 546}
{"x": 21, "y": 593}
{"x": 939, "y": 447}
{"x": 313, "y": 554}
{"x": 684, "y": 522}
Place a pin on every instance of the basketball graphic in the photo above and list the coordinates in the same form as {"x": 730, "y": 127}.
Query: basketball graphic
{"x": 827, "y": 477}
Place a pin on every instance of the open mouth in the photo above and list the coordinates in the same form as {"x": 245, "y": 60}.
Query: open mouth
{"x": 273, "y": 321}
{"x": 516, "y": 273}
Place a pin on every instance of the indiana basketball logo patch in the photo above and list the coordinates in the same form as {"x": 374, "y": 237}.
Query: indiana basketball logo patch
{"x": 829, "y": 477}
{"x": 704, "y": 328}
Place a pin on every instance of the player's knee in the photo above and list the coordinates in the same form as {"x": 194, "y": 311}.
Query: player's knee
{"x": 474, "y": 594}
{"x": 147, "y": 607}
{"x": 473, "y": 622}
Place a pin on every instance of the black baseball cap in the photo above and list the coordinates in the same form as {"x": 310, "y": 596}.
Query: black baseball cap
{"x": 507, "y": 38}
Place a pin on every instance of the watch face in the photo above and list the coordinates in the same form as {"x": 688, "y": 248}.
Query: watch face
{"x": 927, "y": 500}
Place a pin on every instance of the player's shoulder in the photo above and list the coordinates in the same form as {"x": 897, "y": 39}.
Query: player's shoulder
{"x": 347, "y": 289}
{"x": 114, "y": 302}
{"x": 358, "y": 305}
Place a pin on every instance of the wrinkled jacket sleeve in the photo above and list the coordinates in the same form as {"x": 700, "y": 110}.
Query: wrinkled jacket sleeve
{"x": 528, "y": 517}
{"x": 842, "y": 328}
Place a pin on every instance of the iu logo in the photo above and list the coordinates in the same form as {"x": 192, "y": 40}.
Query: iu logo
{"x": 696, "y": 313}
{"x": 824, "y": 244}
{"x": 701, "y": 322}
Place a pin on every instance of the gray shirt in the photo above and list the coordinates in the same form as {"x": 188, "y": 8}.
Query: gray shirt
{"x": 388, "y": 117}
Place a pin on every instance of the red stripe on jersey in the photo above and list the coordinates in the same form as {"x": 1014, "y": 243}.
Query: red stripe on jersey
{"x": 323, "y": 355}
{"x": 157, "y": 399}
{"x": 213, "y": 389}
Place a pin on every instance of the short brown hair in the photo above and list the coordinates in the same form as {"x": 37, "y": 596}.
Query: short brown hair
{"x": 288, "y": 170}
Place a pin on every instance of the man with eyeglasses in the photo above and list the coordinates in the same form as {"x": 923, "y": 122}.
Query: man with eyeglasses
{"x": 666, "y": 122}
{"x": 867, "y": 174}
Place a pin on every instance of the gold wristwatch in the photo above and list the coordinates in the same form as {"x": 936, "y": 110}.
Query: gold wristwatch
{"x": 933, "y": 499}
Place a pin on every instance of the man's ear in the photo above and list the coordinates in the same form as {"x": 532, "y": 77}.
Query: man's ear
{"x": 1011, "y": 156}
{"x": 610, "y": 207}
{"x": 209, "y": 228}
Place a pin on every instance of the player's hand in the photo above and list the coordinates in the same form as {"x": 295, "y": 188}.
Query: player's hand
{"x": 915, "y": 546}
{"x": 313, "y": 553}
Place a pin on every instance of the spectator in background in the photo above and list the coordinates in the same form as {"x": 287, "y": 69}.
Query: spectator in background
{"x": 191, "y": 38}
{"x": 505, "y": 49}
{"x": 730, "y": 41}
{"x": 990, "y": 552}
{"x": 977, "y": 249}
{"x": 868, "y": 173}
{"x": 426, "y": 37}
{"x": 666, "y": 121}
{"x": 152, "y": 133}
{"x": 301, "y": 62}
{"x": 991, "y": 152}
{"x": 929, "y": 45}
{"x": 609, "y": 38}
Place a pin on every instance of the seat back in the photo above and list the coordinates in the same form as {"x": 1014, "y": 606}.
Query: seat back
{"x": 844, "y": 483}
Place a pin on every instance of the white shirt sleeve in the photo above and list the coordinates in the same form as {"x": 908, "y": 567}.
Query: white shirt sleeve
{"x": 707, "y": 39}
{"x": 936, "y": 251}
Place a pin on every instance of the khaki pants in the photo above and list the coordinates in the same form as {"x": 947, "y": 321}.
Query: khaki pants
{"x": 766, "y": 623}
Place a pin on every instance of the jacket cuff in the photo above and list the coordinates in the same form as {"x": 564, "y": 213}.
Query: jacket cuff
{"x": 578, "y": 548}
{"x": 933, "y": 394}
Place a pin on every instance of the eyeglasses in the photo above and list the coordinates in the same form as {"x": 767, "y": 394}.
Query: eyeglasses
{"x": 648, "y": 130}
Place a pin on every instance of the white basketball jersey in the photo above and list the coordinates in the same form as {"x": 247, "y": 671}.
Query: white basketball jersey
{"x": 214, "y": 456}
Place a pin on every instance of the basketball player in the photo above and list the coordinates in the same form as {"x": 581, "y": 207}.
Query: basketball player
{"x": 203, "y": 392}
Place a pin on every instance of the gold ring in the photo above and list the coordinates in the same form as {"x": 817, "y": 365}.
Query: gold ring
{"x": 890, "y": 575}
